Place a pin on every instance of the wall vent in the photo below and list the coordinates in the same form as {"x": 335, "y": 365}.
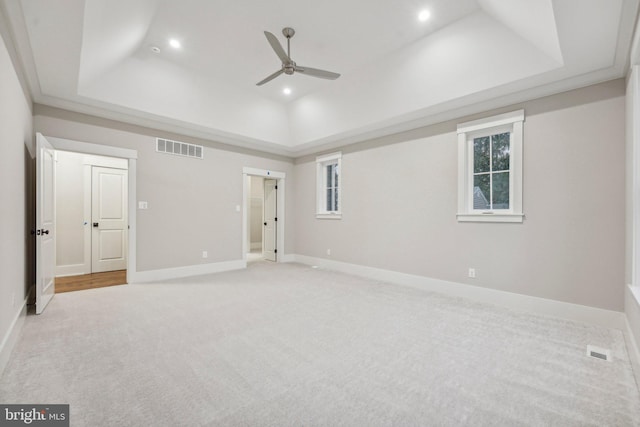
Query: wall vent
{"x": 599, "y": 353}
{"x": 178, "y": 148}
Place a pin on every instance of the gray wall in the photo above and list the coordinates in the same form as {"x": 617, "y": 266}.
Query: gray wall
{"x": 16, "y": 193}
{"x": 69, "y": 209}
{"x": 400, "y": 196}
{"x": 192, "y": 202}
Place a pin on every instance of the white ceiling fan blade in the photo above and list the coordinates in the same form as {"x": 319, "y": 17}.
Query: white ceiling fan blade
{"x": 271, "y": 77}
{"x": 323, "y": 74}
{"x": 277, "y": 47}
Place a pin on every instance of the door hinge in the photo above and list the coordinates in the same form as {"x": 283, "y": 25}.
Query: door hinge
{"x": 276, "y": 219}
{"x": 276, "y": 187}
{"x": 275, "y": 251}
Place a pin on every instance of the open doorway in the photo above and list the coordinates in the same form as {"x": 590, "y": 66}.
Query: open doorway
{"x": 263, "y": 220}
{"x": 91, "y": 221}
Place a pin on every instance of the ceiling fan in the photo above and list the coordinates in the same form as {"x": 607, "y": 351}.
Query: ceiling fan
{"x": 288, "y": 65}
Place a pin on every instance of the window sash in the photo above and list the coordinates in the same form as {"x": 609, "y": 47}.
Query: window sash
{"x": 331, "y": 181}
{"x": 472, "y": 174}
{"x": 328, "y": 186}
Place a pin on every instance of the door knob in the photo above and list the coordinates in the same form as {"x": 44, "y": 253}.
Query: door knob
{"x": 265, "y": 223}
{"x": 45, "y": 231}
{"x": 95, "y": 224}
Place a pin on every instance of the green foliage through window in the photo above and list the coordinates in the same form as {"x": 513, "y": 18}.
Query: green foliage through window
{"x": 491, "y": 169}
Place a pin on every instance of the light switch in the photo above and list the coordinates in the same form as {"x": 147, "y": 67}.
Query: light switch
{"x": 143, "y": 205}
{"x": 237, "y": 208}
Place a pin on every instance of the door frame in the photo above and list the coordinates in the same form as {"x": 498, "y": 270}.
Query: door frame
{"x": 280, "y": 178}
{"x": 109, "y": 151}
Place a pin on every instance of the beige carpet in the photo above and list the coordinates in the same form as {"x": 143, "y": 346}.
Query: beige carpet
{"x": 287, "y": 345}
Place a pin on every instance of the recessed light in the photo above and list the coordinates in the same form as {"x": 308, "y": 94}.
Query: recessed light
{"x": 424, "y": 15}
{"x": 155, "y": 49}
{"x": 174, "y": 43}
{"x": 286, "y": 91}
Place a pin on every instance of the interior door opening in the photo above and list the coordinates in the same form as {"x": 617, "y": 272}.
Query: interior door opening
{"x": 262, "y": 219}
{"x": 92, "y": 221}
{"x": 263, "y": 215}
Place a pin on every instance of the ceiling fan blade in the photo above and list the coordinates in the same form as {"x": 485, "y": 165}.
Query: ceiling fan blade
{"x": 323, "y": 74}
{"x": 277, "y": 47}
{"x": 271, "y": 77}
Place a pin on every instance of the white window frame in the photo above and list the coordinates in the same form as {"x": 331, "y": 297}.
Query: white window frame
{"x": 509, "y": 122}
{"x": 321, "y": 179}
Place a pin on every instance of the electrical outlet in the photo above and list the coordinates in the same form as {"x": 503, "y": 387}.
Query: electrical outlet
{"x": 205, "y": 254}
{"x": 472, "y": 273}
{"x": 328, "y": 251}
{"x": 143, "y": 205}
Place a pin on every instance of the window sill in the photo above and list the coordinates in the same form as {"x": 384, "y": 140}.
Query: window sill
{"x": 490, "y": 217}
{"x": 329, "y": 216}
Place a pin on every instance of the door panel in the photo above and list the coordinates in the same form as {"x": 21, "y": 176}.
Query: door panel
{"x": 45, "y": 223}
{"x": 270, "y": 219}
{"x": 109, "y": 219}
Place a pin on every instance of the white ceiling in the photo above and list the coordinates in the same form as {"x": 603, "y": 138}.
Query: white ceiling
{"x": 95, "y": 56}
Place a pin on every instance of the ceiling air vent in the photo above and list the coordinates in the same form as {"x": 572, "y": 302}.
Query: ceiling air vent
{"x": 599, "y": 353}
{"x": 178, "y": 148}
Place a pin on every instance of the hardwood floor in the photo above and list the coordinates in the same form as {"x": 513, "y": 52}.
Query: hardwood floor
{"x": 90, "y": 281}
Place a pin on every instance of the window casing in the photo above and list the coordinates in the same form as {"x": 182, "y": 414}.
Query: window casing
{"x": 490, "y": 169}
{"x": 328, "y": 186}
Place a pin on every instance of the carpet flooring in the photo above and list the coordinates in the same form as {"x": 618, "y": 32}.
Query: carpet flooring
{"x": 288, "y": 345}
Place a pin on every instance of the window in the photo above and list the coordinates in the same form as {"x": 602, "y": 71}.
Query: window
{"x": 490, "y": 169}
{"x": 329, "y": 195}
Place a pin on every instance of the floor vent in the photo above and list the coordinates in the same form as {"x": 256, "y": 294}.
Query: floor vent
{"x": 178, "y": 148}
{"x": 599, "y": 353}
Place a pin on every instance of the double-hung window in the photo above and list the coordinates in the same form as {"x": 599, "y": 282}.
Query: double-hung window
{"x": 328, "y": 181}
{"x": 490, "y": 169}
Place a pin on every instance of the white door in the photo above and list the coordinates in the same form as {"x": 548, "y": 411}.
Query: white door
{"x": 45, "y": 223}
{"x": 108, "y": 219}
{"x": 269, "y": 246}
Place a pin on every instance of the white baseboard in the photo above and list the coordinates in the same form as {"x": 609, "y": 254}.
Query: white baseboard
{"x": 11, "y": 336}
{"x": 287, "y": 258}
{"x": 180, "y": 272}
{"x": 71, "y": 270}
{"x": 632, "y": 331}
{"x": 564, "y": 310}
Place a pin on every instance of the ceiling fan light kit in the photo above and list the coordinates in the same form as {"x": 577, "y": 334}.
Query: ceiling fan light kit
{"x": 288, "y": 65}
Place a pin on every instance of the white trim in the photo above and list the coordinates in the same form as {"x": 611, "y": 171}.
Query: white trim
{"x": 321, "y": 168}
{"x": 331, "y": 215}
{"x": 188, "y": 271}
{"x": 490, "y": 122}
{"x": 106, "y": 150}
{"x": 328, "y": 157}
{"x": 281, "y": 203}
{"x": 288, "y": 258}
{"x": 132, "y": 217}
{"x": 632, "y": 348}
{"x": 508, "y": 122}
{"x": 70, "y": 270}
{"x": 88, "y": 148}
{"x": 492, "y": 217}
{"x": 265, "y": 173}
{"x": 632, "y": 335}
{"x": 86, "y": 236}
{"x": 537, "y": 305}
{"x": 12, "y": 334}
